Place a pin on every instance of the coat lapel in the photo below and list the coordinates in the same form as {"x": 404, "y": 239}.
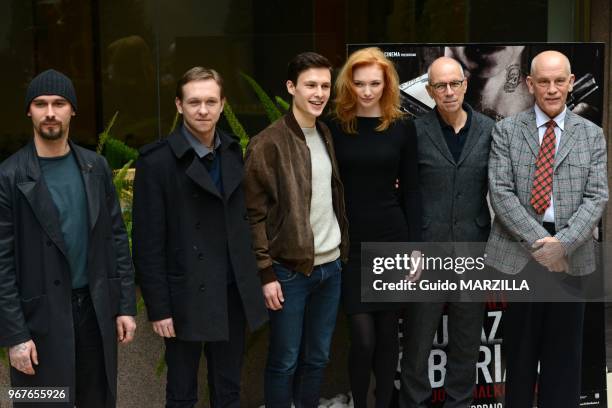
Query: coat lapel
{"x": 196, "y": 170}
{"x": 231, "y": 165}
{"x": 567, "y": 141}
{"x": 530, "y": 132}
{"x": 91, "y": 181}
{"x": 36, "y": 193}
{"x": 472, "y": 138}
{"x": 199, "y": 175}
{"x": 432, "y": 128}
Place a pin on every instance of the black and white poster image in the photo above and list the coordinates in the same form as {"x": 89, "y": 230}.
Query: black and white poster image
{"x": 496, "y": 76}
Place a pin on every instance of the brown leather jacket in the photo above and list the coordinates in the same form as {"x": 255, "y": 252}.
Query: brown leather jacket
{"x": 277, "y": 187}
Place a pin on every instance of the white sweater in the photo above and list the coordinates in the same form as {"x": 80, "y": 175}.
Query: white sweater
{"x": 323, "y": 220}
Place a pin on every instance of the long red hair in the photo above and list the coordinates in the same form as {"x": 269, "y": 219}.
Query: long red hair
{"x": 346, "y": 99}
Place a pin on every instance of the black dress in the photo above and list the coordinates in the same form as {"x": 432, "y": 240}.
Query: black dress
{"x": 371, "y": 163}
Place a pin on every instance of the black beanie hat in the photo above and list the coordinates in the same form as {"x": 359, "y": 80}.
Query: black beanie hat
{"x": 51, "y": 82}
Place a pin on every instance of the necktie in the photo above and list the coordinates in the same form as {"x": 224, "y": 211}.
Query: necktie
{"x": 543, "y": 179}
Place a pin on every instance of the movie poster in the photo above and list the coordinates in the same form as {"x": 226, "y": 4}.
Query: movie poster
{"x": 496, "y": 87}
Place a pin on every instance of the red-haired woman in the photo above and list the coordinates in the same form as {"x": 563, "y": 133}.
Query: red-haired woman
{"x": 375, "y": 148}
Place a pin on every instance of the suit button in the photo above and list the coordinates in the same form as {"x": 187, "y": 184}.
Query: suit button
{"x": 201, "y": 256}
{"x": 49, "y": 243}
{"x": 201, "y": 288}
{"x": 195, "y": 247}
{"x": 56, "y": 282}
{"x": 198, "y": 225}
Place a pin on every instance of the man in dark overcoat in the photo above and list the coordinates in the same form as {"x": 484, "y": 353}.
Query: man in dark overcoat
{"x": 66, "y": 277}
{"x": 192, "y": 246}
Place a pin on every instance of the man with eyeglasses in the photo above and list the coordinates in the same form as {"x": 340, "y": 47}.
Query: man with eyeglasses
{"x": 549, "y": 188}
{"x": 453, "y": 149}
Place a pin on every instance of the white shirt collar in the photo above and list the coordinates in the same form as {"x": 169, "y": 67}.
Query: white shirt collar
{"x": 542, "y": 118}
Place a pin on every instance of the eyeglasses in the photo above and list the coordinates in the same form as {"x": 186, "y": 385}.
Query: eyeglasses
{"x": 440, "y": 87}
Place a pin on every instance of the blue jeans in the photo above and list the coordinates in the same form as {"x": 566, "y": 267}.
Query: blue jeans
{"x": 300, "y": 335}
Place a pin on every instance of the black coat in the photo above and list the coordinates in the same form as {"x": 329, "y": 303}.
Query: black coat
{"x": 35, "y": 281}
{"x": 182, "y": 230}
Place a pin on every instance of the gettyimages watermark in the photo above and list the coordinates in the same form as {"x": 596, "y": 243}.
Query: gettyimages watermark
{"x": 464, "y": 272}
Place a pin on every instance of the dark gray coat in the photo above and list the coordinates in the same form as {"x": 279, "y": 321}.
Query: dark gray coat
{"x": 454, "y": 193}
{"x": 35, "y": 282}
{"x": 182, "y": 229}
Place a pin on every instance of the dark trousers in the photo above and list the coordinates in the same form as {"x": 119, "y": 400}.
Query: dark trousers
{"x": 224, "y": 362}
{"x": 548, "y": 333}
{"x": 551, "y": 334}
{"x": 90, "y": 372}
{"x": 464, "y": 329}
{"x": 91, "y": 386}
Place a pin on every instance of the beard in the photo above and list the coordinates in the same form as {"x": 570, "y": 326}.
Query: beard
{"x": 52, "y": 133}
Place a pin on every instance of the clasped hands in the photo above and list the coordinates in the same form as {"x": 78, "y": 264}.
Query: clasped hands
{"x": 415, "y": 274}
{"x": 549, "y": 253}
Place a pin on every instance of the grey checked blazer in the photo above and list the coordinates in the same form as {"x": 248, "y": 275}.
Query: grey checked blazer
{"x": 580, "y": 188}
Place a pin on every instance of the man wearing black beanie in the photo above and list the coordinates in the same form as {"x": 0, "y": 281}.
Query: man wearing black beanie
{"x": 66, "y": 278}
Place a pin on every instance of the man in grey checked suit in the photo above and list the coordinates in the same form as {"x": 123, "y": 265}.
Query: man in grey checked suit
{"x": 453, "y": 149}
{"x": 551, "y": 210}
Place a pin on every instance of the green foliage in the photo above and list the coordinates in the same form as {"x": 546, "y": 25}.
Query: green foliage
{"x": 127, "y": 219}
{"x": 140, "y": 305}
{"x": 272, "y": 111}
{"x": 122, "y": 184}
{"x": 270, "y": 107}
{"x": 118, "y": 153}
{"x": 175, "y": 122}
{"x": 234, "y": 123}
{"x": 105, "y": 135}
{"x": 284, "y": 105}
{"x": 161, "y": 366}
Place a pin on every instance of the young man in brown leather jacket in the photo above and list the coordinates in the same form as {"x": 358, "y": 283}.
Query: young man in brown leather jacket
{"x": 296, "y": 211}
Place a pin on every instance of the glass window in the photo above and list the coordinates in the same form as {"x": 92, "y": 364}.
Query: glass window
{"x": 35, "y": 36}
{"x": 126, "y": 56}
